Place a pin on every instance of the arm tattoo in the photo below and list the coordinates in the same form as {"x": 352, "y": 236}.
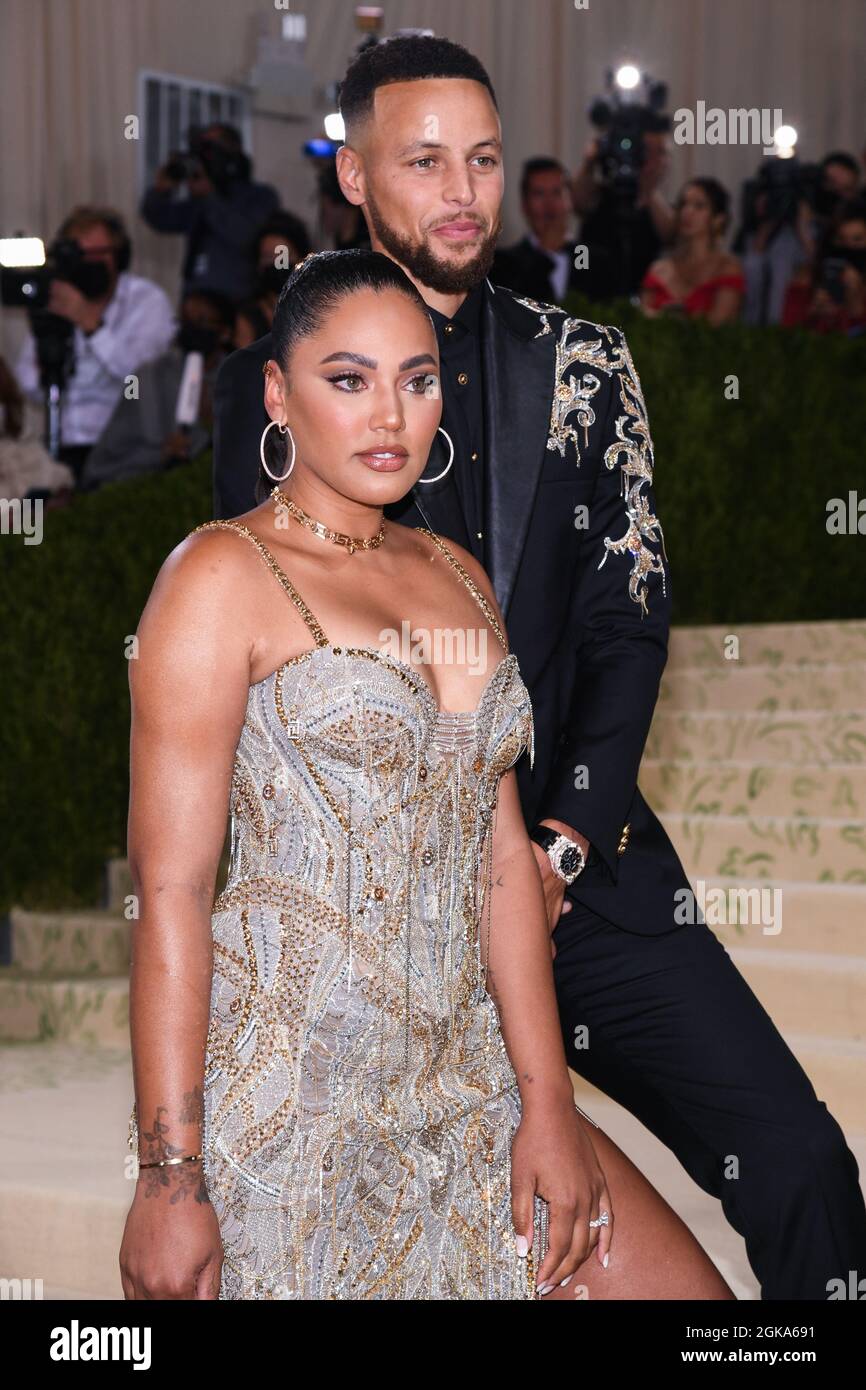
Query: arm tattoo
{"x": 184, "y": 1179}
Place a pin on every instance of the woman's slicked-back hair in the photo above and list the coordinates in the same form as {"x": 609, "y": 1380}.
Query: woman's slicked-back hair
{"x": 406, "y": 58}
{"x": 316, "y": 286}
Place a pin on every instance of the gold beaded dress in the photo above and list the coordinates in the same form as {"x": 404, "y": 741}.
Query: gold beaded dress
{"x": 359, "y": 1100}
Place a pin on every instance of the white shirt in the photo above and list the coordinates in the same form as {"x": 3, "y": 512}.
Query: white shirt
{"x": 138, "y": 324}
{"x": 560, "y": 271}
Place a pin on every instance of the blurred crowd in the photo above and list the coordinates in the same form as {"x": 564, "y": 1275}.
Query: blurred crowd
{"x": 138, "y": 396}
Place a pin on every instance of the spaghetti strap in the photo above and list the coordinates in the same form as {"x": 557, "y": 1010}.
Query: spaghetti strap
{"x": 279, "y": 574}
{"x": 470, "y": 584}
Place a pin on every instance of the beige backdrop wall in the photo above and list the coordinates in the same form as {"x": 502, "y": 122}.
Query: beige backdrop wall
{"x": 69, "y": 69}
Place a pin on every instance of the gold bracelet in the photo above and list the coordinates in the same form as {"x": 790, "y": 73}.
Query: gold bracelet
{"x": 164, "y": 1162}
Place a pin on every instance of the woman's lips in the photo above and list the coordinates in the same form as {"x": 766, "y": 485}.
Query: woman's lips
{"x": 384, "y": 460}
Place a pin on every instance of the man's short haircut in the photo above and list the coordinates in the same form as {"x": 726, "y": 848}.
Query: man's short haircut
{"x": 841, "y": 157}
{"x": 541, "y": 164}
{"x": 408, "y": 59}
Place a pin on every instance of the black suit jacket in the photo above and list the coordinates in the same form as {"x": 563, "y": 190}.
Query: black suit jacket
{"x": 526, "y": 270}
{"x": 575, "y": 557}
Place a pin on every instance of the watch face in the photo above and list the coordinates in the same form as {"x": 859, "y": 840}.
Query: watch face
{"x": 569, "y": 861}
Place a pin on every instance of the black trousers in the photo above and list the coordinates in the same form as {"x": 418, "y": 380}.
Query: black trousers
{"x": 676, "y": 1036}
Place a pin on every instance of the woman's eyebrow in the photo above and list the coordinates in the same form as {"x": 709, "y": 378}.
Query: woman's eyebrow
{"x": 350, "y": 357}
{"x": 421, "y": 360}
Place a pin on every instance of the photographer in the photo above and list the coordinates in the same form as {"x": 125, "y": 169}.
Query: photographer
{"x": 787, "y": 209}
{"x": 832, "y": 298}
{"x": 623, "y": 238}
{"x": 221, "y": 214}
{"x": 120, "y": 320}
{"x": 169, "y": 421}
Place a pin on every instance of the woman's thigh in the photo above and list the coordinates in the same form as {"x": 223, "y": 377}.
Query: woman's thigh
{"x": 653, "y": 1254}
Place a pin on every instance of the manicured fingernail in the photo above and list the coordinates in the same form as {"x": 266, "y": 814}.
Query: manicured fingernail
{"x": 544, "y": 1288}
{"x": 522, "y": 1247}
{"x": 566, "y": 1281}
{"x": 605, "y": 1260}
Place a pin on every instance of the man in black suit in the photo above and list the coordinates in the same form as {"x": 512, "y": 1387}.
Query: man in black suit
{"x": 551, "y": 488}
{"x": 541, "y": 265}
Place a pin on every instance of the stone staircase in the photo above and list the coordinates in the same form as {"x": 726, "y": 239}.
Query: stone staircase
{"x": 757, "y": 766}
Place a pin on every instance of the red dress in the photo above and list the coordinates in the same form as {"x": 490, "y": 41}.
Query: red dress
{"x": 699, "y": 300}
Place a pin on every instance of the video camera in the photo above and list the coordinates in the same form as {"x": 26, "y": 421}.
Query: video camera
{"x": 29, "y": 287}
{"x": 224, "y": 166}
{"x": 623, "y": 123}
{"x": 777, "y": 190}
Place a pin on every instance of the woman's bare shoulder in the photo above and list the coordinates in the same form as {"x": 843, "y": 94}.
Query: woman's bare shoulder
{"x": 475, "y": 571}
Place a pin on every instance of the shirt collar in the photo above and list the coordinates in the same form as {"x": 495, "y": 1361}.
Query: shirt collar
{"x": 533, "y": 241}
{"x": 468, "y": 316}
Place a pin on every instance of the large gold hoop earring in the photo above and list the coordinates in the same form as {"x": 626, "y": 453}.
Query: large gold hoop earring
{"x": 448, "y": 464}
{"x": 283, "y": 429}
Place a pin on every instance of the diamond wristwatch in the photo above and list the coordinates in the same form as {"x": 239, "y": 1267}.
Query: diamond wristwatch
{"x": 566, "y": 857}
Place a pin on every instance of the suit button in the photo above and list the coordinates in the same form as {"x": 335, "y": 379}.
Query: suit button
{"x": 462, "y": 378}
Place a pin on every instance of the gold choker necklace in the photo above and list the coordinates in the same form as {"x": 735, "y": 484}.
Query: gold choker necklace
{"x": 318, "y": 528}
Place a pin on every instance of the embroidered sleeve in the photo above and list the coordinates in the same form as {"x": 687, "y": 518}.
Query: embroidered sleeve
{"x": 632, "y": 452}
{"x": 585, "y": 354}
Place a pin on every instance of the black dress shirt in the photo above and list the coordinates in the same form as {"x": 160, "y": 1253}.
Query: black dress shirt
{"x": 462, "y": 407}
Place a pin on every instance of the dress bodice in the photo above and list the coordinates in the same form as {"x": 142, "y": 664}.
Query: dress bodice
{"x": 362, "y": 732}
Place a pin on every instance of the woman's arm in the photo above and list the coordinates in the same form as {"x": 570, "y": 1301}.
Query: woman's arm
{"x": 519, "y": 975}
{"x": 189, "y": 683}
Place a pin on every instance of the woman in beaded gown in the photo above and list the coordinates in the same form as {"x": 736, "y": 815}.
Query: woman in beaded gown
{"x": 355, "y": 1088}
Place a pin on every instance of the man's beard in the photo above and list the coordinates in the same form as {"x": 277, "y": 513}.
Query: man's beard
{"x": 417, "y": 258}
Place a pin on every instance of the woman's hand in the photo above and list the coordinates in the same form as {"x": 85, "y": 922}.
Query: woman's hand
{"x": 171, "y": 1243}
{"x": 555, "y": 903}
{"x": 552, "y": 1155}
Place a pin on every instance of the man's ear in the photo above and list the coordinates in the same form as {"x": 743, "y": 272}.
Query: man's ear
{"x": 350, "y": 175}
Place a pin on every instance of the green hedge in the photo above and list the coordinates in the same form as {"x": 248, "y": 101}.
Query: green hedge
{"x": 741, "y": 487}
{"x": 66, "y": 608}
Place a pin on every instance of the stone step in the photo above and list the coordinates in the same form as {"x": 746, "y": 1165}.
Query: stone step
{"x": 769, "y": 644}
{"x": 811, "y": 737}
{"x": 64, "y": 1186}
{"x": 826, "y": 918}
{"x": 808, "y": 993}
{"x": 747, "y": 789}
{"x": 70, "y": 943}
{"x": 733, "y": 686}
{"x": 769, "y": 848}
{"x": 35, "y": 1008}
